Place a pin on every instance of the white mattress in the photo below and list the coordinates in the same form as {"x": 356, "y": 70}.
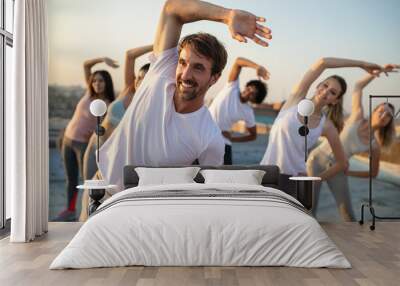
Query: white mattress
{"x": 190, "y": 230}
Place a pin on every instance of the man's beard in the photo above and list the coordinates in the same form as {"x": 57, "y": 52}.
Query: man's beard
{"x": 188, "y": 95}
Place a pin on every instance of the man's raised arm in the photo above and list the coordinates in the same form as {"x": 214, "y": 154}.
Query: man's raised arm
{"x": 175, "y": 13}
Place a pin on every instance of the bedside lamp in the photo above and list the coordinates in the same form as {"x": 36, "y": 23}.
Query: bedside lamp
{"x": 304, "y": 184}
{"x": 98, "y": 108}
{"x": 97, "y": 188}
{"x": 305, "y": 108}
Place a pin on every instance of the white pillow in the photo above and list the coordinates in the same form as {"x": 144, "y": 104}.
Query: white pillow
{"x": 163, "y": 176}
{"x": 249, "y": 177}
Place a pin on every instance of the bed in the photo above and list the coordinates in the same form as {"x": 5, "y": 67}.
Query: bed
{"x": 198, "y": 224}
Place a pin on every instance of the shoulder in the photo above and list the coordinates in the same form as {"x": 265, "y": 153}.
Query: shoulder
{"x": 233, "y": 84}
{"x": 290, "y": 110}
{"x": 328, "y": 128}
{"x": 162, "y": 67}
{"x": 115, "y": 105}
{"x": 86, "y": 96}
{"x": 229, "y": 88}
{"x": 169, "y": 56}
{"x": 85, "y": 100}
{"x": 294, "y": 98}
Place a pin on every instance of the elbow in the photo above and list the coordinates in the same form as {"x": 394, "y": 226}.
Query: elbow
{"x": 321, "y": 64}
{"x": 238, "y": 62}
{"x": 86, "y": 64}
{"x": 170, "y": 7}
{"x": 179, "y": 10}
{"x": 131, "y": 54}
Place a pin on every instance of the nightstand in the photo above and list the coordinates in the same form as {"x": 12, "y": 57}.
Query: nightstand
{"x": 304, "y": 189}
{"x": 96, "y": 193}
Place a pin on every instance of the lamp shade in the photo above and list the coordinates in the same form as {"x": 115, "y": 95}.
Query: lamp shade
{"x": 98, "y": 107}
{"x": 305, "y": 107}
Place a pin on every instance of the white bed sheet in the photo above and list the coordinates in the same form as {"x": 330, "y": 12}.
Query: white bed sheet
{"x": 192, "y": 231}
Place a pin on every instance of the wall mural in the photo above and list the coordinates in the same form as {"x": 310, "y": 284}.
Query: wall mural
{"x": 217, "y": 100}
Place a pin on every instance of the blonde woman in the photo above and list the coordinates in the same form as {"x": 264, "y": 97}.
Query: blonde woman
{"x": 286, "y": 146}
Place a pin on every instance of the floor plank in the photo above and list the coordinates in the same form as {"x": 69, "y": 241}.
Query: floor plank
{"x": 374, "y": 255}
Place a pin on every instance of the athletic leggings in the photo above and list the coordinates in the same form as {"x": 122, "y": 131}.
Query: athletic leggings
{"x": 338, "y": 185}
{"x": 72, "y": 152}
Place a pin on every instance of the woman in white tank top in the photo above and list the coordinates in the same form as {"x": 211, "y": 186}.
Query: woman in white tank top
{"x": 355, "y": 139}
{"x": 286, "y": 146}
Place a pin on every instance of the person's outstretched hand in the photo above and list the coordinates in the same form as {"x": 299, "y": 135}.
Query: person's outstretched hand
{"x": 263, "y": 72}
{"x": 244, "y": 25}
{"x": 110, "y": 62}
{"x": 390, "y": 68}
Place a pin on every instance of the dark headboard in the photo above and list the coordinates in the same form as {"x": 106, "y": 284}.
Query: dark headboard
{"x": 270, "y": 179}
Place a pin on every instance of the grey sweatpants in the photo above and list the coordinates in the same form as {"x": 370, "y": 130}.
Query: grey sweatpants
{"x": 338, "y": 185}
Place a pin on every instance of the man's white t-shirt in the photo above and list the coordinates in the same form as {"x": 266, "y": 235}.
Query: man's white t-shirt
{"x": 227, "y": 109}
{"x": 153, "y": 133}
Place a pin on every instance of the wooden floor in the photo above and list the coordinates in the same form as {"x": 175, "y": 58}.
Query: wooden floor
{"x": 374, "y": 255}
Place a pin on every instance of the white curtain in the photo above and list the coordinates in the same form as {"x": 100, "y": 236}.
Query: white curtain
{"x": 27, "y": 152}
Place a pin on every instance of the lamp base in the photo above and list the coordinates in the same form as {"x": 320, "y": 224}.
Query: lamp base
{"x": 96, "y": 195}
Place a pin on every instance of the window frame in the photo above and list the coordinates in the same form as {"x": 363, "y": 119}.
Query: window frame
{"x": 6, "y": 39}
